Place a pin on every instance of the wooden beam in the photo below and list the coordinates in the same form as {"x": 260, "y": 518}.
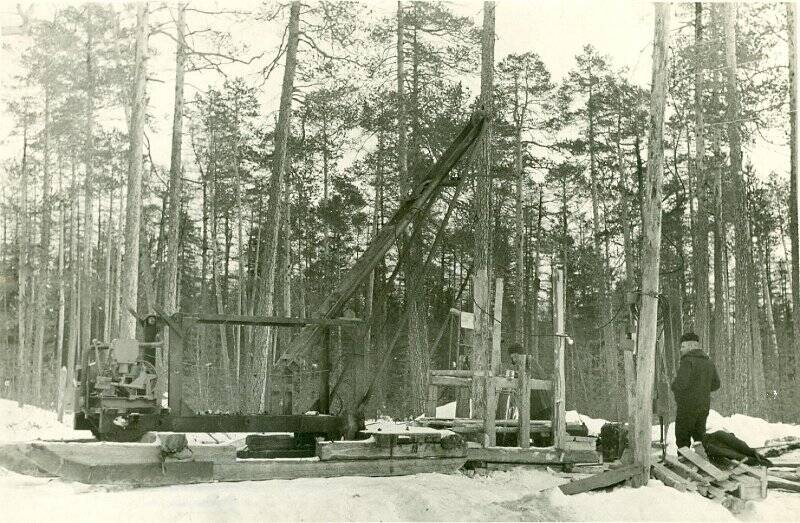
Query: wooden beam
{"x": 523, "y": 402}
{"x": 559, "y": 380}
{"x": 325, "y": 372}
{"x": 497, "y": 326}
{"x": 602, "y": 480}
{"x": 531, "y": 456}
{"x": 275, "y": 321}
{"x": 433, "y": 397}
{"x": 175, "y": 366}
{"x": 369, "y": 449}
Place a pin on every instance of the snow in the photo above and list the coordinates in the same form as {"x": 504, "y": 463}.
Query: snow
{"x": 27, "y": 423}
{"x": 520, "y": 494}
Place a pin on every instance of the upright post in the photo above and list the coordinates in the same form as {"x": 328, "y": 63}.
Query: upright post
{"x": 523, "y": 401}
{"x": 497, "y": 324}
{"x": 175, "y": 365}
{"x": 324, "y": 372}
{"x": 559, "y": 383}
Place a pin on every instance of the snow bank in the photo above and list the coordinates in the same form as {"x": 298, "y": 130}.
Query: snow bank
{"x": 594, "y": 425}
{"x": 29, "y": 423}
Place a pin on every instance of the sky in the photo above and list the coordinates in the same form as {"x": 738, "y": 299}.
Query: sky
{"x": 556, "y": 30}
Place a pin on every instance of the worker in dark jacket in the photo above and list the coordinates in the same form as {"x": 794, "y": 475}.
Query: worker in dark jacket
{"x": 697, "y": 377}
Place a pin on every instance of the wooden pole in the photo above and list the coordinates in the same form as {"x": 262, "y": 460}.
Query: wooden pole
{"x": 175, "y": 366}
{"x": 324, "y": 372}
{"x": 559, "y": 381}
{"x": 497, "y": 325}
{"x": 651, "y": 249}
{"x": 523, "y": 401}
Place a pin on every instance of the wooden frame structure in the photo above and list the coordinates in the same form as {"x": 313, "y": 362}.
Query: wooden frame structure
{"x": 565, "y": 448}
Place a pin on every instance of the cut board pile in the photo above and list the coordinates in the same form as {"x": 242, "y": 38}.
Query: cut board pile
{"x": 730, "y": 484}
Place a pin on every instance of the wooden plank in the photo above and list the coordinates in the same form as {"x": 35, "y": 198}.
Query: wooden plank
{"x": 255, "y": 470}
{"x": 750, "y": 488}
{"x": 450, "y": 381}
{"x": 369, "y": 449}
{"x": 703, "y": 465}
{"x": 672, "y": 479}
{"x": 783, "y": 484}
{"x": 537, "y": 384}
{"x": 278, "y": 321}
{"x": 687, "y": 471}
{"x": 533, "y": 455}
{"x": 602, "y": 480}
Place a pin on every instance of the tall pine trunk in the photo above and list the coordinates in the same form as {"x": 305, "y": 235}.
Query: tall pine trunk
{"x": 256, "y": 369}
{"x": 171, "y": 264}
{"x": 23, "y": 272}
{"x": 480, "y": 359}
{"x": 130, "y": 275}
{"x": 700, "y": 236}
{"x": 794, "y": 208}
{"x": 44, "y": 257}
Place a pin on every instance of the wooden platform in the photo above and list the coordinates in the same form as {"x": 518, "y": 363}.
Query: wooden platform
{"x": 142, "y": 464}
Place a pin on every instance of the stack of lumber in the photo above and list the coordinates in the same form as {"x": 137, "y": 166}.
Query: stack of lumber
{"x": 731, "y": 483}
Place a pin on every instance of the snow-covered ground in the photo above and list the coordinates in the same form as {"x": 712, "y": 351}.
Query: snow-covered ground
{"x": 516, "y": 495}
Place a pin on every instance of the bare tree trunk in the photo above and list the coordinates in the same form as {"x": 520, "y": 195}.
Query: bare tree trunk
{"x": 130, "y": 275}
{"x": 74, "y": 302}
{"x": 772, "y": 377}
{"x": 175, "y": 170}
{"x": 258, "y": 356}
{"x": 519, "y": 269}
{"x": 59, "y": 358}
{"x": 22, "y": 392}
{"x": 86, "y": 260}
{"x": 744, "y": 326}
{"x": 794, "y": 208}
{"x": 700, "y": 237}
{"x": 107, "y": 303}
{"x": 651, "y": 256}
{"x": 480, "y": 359}
{"x": 120, "y": 239}
{"x": 44, "y": 257}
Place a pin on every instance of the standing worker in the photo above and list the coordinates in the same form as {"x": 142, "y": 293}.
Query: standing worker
{"x": 697, "y": 378}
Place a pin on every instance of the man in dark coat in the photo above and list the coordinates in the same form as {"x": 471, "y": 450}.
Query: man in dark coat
{"x": 697, "y": 377}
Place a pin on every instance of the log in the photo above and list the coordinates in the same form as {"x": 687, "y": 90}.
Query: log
{"x": 602, "y": 480}
{"x": 369, "y": 449}
{"x": 542, "y": 456}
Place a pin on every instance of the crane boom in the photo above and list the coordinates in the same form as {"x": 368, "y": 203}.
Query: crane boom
{"x": 418, "y": 201}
